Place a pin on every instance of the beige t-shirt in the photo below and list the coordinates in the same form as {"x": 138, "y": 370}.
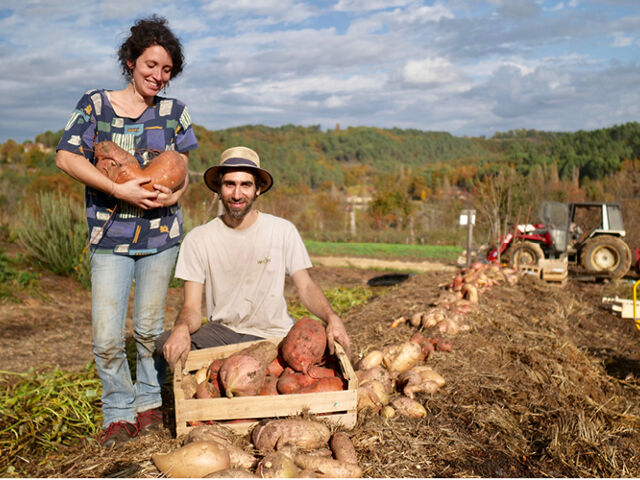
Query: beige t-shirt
{"x": 244, "y": 272}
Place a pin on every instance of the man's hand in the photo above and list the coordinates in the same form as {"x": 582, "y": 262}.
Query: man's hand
{"x": 336, "y": 332}
{"x": 177, "y": 346}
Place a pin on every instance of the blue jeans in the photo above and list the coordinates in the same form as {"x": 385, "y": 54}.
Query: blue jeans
{"x": 111, "y": 280}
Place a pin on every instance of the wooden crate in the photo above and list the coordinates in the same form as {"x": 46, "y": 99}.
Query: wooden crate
{"x": 338, "y": 408}
{"x": 554, "y": 270}
{"x": 533, "y": 270}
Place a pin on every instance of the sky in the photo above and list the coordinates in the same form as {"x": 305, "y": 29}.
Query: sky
{"x": 467, "y": 67}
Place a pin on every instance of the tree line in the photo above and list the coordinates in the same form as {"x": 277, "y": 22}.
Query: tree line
{"x": 417, "y": 180}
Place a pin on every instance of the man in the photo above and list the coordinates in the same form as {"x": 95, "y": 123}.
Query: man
{"x": 239, "y": 260}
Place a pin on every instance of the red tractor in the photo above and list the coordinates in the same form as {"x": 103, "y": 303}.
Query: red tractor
{"x": 588, "y": 234}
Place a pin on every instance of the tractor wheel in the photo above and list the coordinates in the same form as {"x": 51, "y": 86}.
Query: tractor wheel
{"x": 605, "y": 253}
{"x": 525, "y": 253}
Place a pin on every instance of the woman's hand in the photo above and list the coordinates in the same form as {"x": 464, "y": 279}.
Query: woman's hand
{"x": 133, "y": 193}
{"x": 165, "y": 196}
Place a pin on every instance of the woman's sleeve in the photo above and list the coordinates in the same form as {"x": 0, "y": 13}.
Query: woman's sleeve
{"x": 185, "y": 136}
{"x": 78, "y": 134}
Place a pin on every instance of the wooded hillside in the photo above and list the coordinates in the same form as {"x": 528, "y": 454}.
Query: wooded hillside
{"x": 417, "y": 181}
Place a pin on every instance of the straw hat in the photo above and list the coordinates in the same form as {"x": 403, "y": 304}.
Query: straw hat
{"x": 237, "y": 158}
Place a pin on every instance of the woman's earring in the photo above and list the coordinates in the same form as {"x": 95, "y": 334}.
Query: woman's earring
{"x": 133, "y": 84}
{"x": 164, "y": 90}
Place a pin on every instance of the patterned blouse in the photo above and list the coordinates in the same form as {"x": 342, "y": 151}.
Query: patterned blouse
{"x": 164, "y": 126}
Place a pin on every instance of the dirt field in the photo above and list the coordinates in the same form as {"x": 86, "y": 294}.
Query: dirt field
{"x": 544, "y": 384}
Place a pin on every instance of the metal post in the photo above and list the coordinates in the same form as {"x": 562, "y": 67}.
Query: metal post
{"x": 636, "y": 320}
{"x": 469, "y": 236}
{"x": 468, "y": 218}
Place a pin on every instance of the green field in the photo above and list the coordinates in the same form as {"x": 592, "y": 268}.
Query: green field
{"x": 384, "y": 250}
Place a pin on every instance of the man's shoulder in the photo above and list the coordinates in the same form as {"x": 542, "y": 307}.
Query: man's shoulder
{"x": 275, "y": 220}
{"x": 203, "y": 229}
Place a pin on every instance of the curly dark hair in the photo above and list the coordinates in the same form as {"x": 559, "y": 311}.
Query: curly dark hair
{"x": 145, "y": 33}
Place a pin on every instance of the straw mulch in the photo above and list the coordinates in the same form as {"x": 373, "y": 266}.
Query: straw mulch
{"x": 544, "y": 384}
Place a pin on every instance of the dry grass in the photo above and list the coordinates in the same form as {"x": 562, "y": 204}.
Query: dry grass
{"x": 530, "y": 393}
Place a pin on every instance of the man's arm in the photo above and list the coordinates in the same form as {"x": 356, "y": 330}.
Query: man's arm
{"x": 189, "y": 320}
{"x": 314, "y": 299}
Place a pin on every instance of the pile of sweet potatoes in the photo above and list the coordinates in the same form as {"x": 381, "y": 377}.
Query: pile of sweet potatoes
{"x": 446, "y": 315}
{"x": 282, "y": 448}
{"x": 300, "y": 363}
{"x": 389, "y": 379}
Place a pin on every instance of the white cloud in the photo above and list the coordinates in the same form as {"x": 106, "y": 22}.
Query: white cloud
{"x": 270, "y": 11}
{"x": 515, "y": 9}
{"x": 430, "y": 71}
{"x": 466, "y": 66}
{"x": 620, "y": 40}
{"x": 368, "y": 5}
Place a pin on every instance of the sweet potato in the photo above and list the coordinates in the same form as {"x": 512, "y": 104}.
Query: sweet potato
{"x": 275, "y": 434}
{"x": 408, "y": 407}
{"x": 293, "y": 382}
{"x": 213, "y": 433}
{"x": 214, "y": 369}
{"x": 243, "y": 373}
{"x": 304, "y": 345}
{"x": 316, "y": 371}
{"x": 416, "y": 319}
{"x": 195, "y": 459}
{"x": 207, "y": 389}
{"x": 232, "y": 473}
{"x": 379, "y": 389}
{"x": 168, "y": 168}
{"x": 328, "y": 467}
{"x": 343, "y": 448}
{"x": 376, "y": 373}
{"x": 270, "y": 386}
{"x": 433, "y": 316}
{"x": 325, "y": 384}
{"x": 277, "y": 465}
{"x": 451, "y": 327}
{"x": 420, "y": 379}
{"x": 425, "y": 344}
{"x": 217, "y": 433}
{"x": 277, "y": 366}
{"x": 367, "y": 399}
{"x": 470, "y": 292}
{"x": 441, "y": 344}
{"x": 401, "y": 357}
{"x": 370, "y": 360}
{"x": 189, "y": 385}
{"x": 201, "y": 374}
{"x": 388, "y": 412}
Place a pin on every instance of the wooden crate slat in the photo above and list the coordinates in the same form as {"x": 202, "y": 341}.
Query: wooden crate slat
{"x": 335, "y": 407}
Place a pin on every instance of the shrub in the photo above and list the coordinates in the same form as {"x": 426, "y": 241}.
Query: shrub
{"x": 53, "y": 232}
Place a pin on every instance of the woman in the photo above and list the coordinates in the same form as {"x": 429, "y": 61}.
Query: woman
{"x": 134, "y": 232}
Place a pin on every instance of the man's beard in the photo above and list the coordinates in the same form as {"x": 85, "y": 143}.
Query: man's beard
{"x": 237, "y": 214}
